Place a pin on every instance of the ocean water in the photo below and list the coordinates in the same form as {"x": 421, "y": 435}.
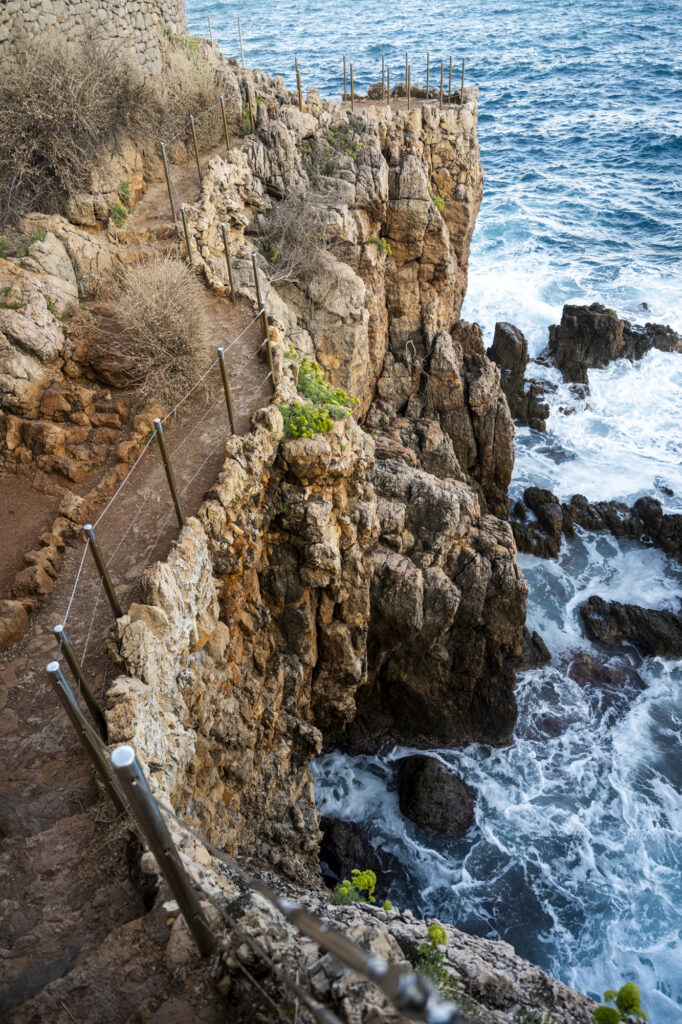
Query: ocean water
{"x": 575, "y": 854}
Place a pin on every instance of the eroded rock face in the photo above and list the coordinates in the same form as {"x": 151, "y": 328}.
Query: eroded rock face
{"x": 592, "y": 336}
{"x": 434, "y": 797}
{"x": 658, "y": 633}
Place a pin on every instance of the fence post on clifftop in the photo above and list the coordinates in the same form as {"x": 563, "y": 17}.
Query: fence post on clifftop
{"x": 241, "y": 44}
{"x": 228, "y": 260}
{"x": 408, "y": 88}
{"x": 226, "y": 387}
{"x": 103, "y": 571}
{"x": 450, "y": 83}
{"x": 440, "y": 102}
{"x": 298, "y": 85}
{"x": 461, "y": 91}
{"x": 427, "y": 74}
{"x": 383, "y": 75}
{"x": 344, "y": 80}
{"x": 168, "y": 180}
{"x": 388, "y": 88}
{"x": 264, "y": 322}
{"x": 196, "y": 146}
{"x": 210, "y": 32}
{"x": 86, "y": 733}
{"x": 227, "y": 134}
{"x": 77, "y": 672}
{"x": 170, "y": 476}
{"x": 352, "y": 90}
{"x": 132, "y": 781}
{"x": 184, "y": 225}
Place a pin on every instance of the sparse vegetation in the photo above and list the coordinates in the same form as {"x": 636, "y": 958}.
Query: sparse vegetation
{"x": 119, "y": 214}
{"x": 621, "y": 1005}
{"x": 25, "y": 246}
{"x": 438, "y": 201}
{"x": 151, "y": 326}
{"x": 381, "y": 243}
{"x": 347, "y": 892}
{"x": 124, "y": 193}
{"x": 295, "y": 235}
{"x": 245, "y": 127}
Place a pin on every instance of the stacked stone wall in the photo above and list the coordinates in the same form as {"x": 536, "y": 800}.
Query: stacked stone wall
{"x": 137, "y": 24}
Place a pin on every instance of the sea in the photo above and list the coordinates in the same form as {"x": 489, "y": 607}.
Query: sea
{"x": 576, "y": 852}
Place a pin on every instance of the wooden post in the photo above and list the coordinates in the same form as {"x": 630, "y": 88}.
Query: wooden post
{"x": 184, "y": 225}
{"x": 450, "y": 83}
{"x": 226, "y": 388}
{"x": 103, "y": 571}
{"x": 227, "y": 134}
{"x": 441, "y": 86}
{"x": 228, "y": 260}
{"x": 210, "y": 32}
{"x": 168, "y": 180}
{"x": 388, "y": 88}
{"x": 345, "y": 87}
{"x": 196, "y": 145}
{"x": 461, "y": 91}
{"x": 427, "y": 75}
{"x": 408, "y": 88}
{"x": 264, "y": 321}
{"x": 352, "y": 90}
{"x": 298, "y": 85}
{"x": 241, "y": 44}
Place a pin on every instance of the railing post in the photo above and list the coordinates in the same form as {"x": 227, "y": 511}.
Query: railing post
{"x": 168, "y": 180}
{"x": 241, "y": 44}
{"x": 77, "y": 672}
{"x": 264, "y": 321}
{"x": 383, "y": 75}
{"x": 103, "y": 571}
{"x": 85, "y": 732}
{"x": 131, "y": 778}
{"x": 427, "y": 75}
{"x": 186, "y": 230}
{"x": 388, "y": 88}
{"x": 210, "y": 32}
{"x": 408, "y": 88}
{"x": 226, "y": 386}
{"x": 352, "y": 90}
{"x": 461, "y": 91}
{"x": 228, "y": 260}
{"x": 170, "y": 476}
{"x": 298, "y": 85}
{"x": 196, "y": 146}
{"x": 345, "y": 90}
{"x": 227, "y": 134}
{"x": 440, "y": 102}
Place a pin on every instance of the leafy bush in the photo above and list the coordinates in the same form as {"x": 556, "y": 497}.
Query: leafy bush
{"x": 348, "y": 892}
{"x": 431, "y": 962}
{"x": 382, "y": 243}
{"x": 124, "y": 193}
{"x": 119, "y": 214}
{"x": 328, "y": 404}
{"x": 626, "y": 1006}
{"x": 152, "y": 331}
{"x": 438, "y": 201}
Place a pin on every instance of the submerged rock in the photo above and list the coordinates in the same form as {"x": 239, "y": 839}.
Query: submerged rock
{"x": 658, "y": 633}
{"x": 592, "y": 336}
{"x": 434, "y": 797}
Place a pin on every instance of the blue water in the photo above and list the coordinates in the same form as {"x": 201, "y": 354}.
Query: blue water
{"x": 576, "y": 851}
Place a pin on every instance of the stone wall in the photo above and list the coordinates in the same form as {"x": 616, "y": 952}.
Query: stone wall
{"x": 139, "y": 24}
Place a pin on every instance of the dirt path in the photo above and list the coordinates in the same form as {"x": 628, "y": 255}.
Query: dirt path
{"x": 71, "y": 917}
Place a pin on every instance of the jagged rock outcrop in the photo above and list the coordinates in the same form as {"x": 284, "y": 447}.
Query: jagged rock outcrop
{"x": 656, "y": 632}
{"x": 510, "y": 351}
{"x": 434, "y": 797}
{"x": 592, "y": 336}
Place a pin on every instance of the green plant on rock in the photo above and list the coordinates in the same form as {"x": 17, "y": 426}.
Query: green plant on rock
{"x": 124, "y": 193}
{"x": 328, "y": 404}
{"x": 625, "y": 1006}
{"x": 3, "y": 248}
{"x": 431, "y": 962}
{"x": 438, "y": 201}
{"x": 118, "y": 214}
{"x": 382, "y": 243}
{"x": 25, "y": 249}
{"x": 51, "y": 305}
{"x": 351, "y": 891}
{"x": 245, "y": 126}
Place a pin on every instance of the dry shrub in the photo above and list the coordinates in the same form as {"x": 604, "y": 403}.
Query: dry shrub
{"x": 295, "y": 232}
{"x": 70, "y": 100}
{"x": 152, "y": 333}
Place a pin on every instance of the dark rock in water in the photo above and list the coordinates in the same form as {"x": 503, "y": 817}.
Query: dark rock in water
{"x": 592, "y": 336}
{"x": 433, "y": 797}
{"x": 658, "y": 633}
{"x": 345, "y": 846}
{"x": 549, "y": 725}
{"x": 535, "y": 651}
{"x": 542, "y": 538}
{"x": 596, "y": 670}
{"x": 510, "y": 351}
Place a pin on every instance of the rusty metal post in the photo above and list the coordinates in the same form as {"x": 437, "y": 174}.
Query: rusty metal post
{"x": 196, "y": 146}
{"x": 78, "y": 675}
{"x": 186, "y": 230}
{"x": 228, "y": 260}
{"x": 103, "y": 571}
{"x": 383, "y": 75}
{"x": 352, "y": 90}
{"x": 226, "y": 386}
{"x": 168, "y": 180}
{"x": 440, "y": 102}
{"x": 388, "y": 88}
{"x": 408, "y": 88}
{"x": 298, "y": 85}
{"x": 86, "y": 733}
{"x": 241, "y": 44}
{"x": 132, "y": 781}
{"x": 210, "y": 32}
{"x": 345, "y": 87}
{"x": 461, "y": 91}
{"x": 450, "y": 83}
{"x": 264, "y": 321}
{"x": 406, "y": 69}
{"x": 227, "y": 134}
{"x": 170, "y": 476}
{"x": 427, "y": 75}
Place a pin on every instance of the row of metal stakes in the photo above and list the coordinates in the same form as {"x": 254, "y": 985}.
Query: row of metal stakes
{"x": 386, "y": 82}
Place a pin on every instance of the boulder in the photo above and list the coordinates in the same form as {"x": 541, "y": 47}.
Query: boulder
{"x": 510, "y": 351}
{"x": 345, "y": 846}
{"x": 13, "y": 622}
{"x": 535, "y": 651}
{"x": 658, "y": 633}
{"x": 434, "y": 797}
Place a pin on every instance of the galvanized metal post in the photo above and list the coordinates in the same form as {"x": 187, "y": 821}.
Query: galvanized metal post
{"x": 352, "y": 90}
{"x": 196, "y": 146}
{"x": 461, "y": 91}
{"x": 427, "y": 75}
{"x": 241, "y": 44}
{"x": 210, "y": 32}
{"x": 184, "y": 225}
{"x": 228, "y": 260}
{"x": 227, "y": 134}
{"x": 85, "y": 732}
{"x": 450, "y": 83}
{"x": 77, "y": 672}
{"x": 103, "y": 571}
{"x": 226, "y": 386}
{"x": 168, "y": 180}
{"x": 298, "y": 85}
{"x": 170, "y": 476}
{"x": 345, "y": 89}
{"x": 440, "y": 102}
{"x": 131, "y": 778}
{"x": 264, "y": 321}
